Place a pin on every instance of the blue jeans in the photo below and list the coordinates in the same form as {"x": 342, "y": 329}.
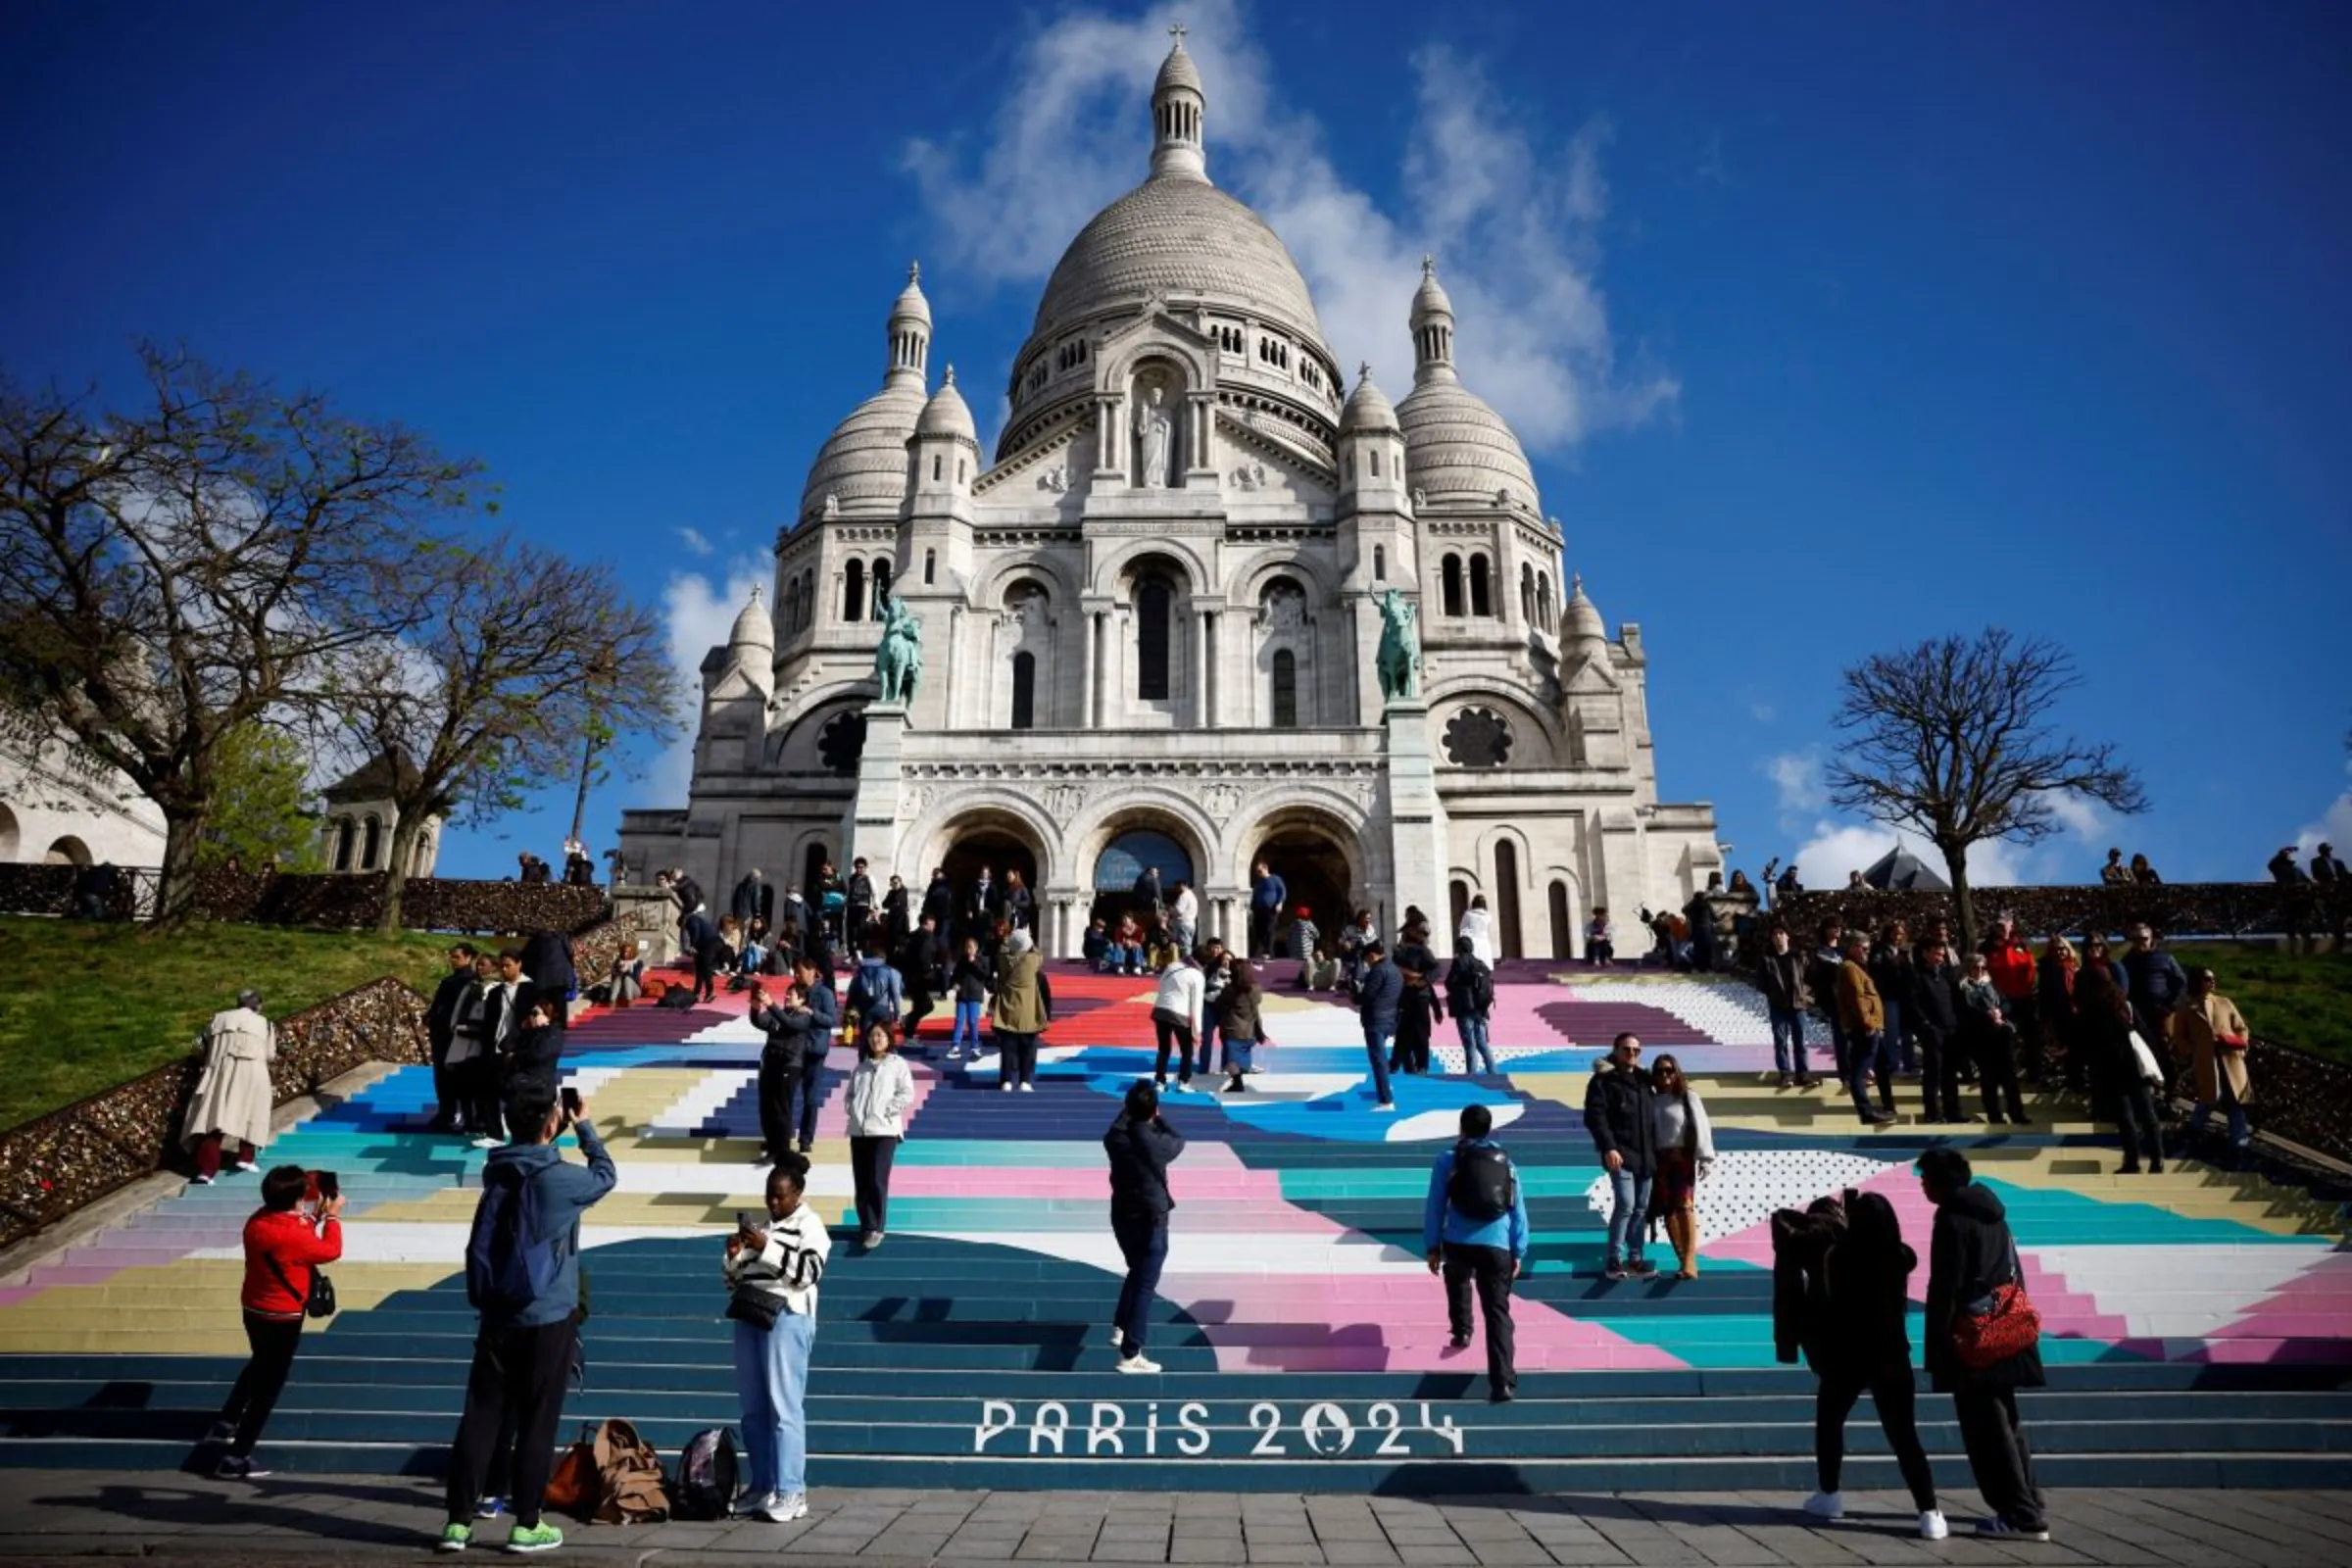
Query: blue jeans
{"x": 771, "y": 1377}
{"x": 1474, "y": 1043}
{"x": 1129, "y": 959}
{"x": 967, "y": 1026}
{"x": 1629, "y": 1214}
{"x": 1898, "y": 1040}
{"x": 1788, "y": 1041}
{"x": 1376, "y": 1047}
{"x": 1867, "y": 1056}
{"x": 2201, "y": 1112}
{"x": 1143, "y": 1243}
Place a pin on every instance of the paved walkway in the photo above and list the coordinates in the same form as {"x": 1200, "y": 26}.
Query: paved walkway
{"x": 65, "y": 1515}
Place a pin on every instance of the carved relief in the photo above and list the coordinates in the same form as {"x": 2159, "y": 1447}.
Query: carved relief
{"x": 1220, "y": 802}
{"x": 1063, "y": 802}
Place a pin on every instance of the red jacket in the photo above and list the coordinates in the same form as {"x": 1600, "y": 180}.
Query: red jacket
{"x": 287, "y": 1239}
{"x": 2011, "y": 969}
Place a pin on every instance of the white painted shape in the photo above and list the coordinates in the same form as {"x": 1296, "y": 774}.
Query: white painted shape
{"x": 1746, "y": 1186}
{"x": 1428, "y": 1125}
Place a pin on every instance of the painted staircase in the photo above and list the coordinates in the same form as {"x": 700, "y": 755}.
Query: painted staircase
{"x": 2199, "y": 1323}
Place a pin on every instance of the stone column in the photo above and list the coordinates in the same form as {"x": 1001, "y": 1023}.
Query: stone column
{"x": 1214, "y": 622}
{"x": 1199, "y": 670}
{"x": 1416, "y": 816}
{"x": 1089, "y": 658}
{"x": 874, "y": 814}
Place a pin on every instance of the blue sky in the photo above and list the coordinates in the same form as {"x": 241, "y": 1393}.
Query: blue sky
{"x": 1828, "y": 327}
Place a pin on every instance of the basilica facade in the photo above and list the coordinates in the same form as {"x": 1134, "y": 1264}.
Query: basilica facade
{"x": 1148, "y": 620}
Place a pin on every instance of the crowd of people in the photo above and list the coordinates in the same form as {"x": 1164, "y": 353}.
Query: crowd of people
{"x": 1893, "y": 1007}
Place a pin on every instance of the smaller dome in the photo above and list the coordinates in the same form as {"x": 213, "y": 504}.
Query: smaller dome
{"x": 911, "y": 306}
{"x": 1368, "y": 407}
{"x": 1177, "y": 71}
{"x": 864, "y": 458}
{"x": 753, "y": 627}
{"x": 1582, "y": 623}
{"x": 946, "y": 413}
{"x": 1430, "y": 299}
{"x": 1460, "y": 449}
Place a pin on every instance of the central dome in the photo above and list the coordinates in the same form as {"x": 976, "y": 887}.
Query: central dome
{"x": 1186, "y": 241}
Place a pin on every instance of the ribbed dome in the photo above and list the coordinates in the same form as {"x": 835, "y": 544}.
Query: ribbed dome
{"x": 946, "y": 413}
{"x": 1182, "y": 239}
{"x": 911, "y": 306}
{"x": 1582, "y": 621}
{"x": 753, "y": 627}
{"x": 1457, "y": 448}
{"x": 1368, "y": 407}
{"x": 1177, "y": 71}
{"x": 1431, "y": 299}
{"x": 865, "y": 457}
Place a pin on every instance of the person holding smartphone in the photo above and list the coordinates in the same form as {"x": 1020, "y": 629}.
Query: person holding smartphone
{"x": 1140, "y": 1147}
{"x": 771, "y": 1270}
{"x": 285, "y": 1241}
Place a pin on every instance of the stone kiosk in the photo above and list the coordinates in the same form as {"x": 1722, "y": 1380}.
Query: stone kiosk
{"x": 1203, "y": 605}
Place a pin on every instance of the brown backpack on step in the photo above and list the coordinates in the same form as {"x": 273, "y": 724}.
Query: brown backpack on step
{"x": 629, "y": 1485}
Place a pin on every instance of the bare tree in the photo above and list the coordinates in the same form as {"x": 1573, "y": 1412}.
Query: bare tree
{"x": 1953, "y": 738}
{"x": 519, "y": 662}
{"x": 176, "y": 569}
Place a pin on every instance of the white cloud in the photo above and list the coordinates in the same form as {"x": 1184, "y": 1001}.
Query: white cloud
{"x": 2086, "y": 819}
{"x": 700, "y": 615}
{"x": 1513, "y": 218}
{"x": 2334, "y": 826}
{"x": 1835, "y": 849}
{"x": 1797, "y": 777}
{"x": 694, "y": 541}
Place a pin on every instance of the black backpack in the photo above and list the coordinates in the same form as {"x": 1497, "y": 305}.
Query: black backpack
{"x": 707, "y": 1475}
{"x": 1476, "y": 990}
{"x": 1482, "y": 1185}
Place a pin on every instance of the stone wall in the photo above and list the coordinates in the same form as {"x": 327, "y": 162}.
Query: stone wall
{"x": 56, "y": 1163}
{"x": 331, "y": 902}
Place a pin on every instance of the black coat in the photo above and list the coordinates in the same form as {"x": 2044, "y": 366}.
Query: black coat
{"x": 547, "y": 959}
{"x": 1934, "y": 1002}
{"x": 939, "y": 904}
{"x": 440, "y": 1020}
{"x": 1140, "y": 1157}
{"x": 1784, "y": 982}
{"x": 1968, "y": 1256}
{"x": 1835, "y": 1297}
{"x": 752, "y": 895}
{"x": 1617, "y": 1113}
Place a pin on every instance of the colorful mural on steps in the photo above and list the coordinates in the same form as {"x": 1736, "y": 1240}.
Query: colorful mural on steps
{"x": 1296, "y": 1240}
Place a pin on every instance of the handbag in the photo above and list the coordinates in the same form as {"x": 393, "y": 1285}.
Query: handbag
{"x": 749, "y": 1303}
{"x": 2000, "y": 1325}
{"x": 320, "y": 1300}
{"x": 573, "y": 1485}
{"x": 2146, "y": 1059}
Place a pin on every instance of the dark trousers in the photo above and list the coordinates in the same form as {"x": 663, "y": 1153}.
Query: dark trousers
{"x": 1178, "y": 1037}
{"x": 1938, "y": 1073}
{"x": 519, "y": 1374}
{"x": 1996, "y": 1073}
{"x": 1491, "y": 1270}
{"x": 1998, "y": 1454}
{"x": 869, "y": 1176}
{"x": 1891, "y": 1392}
{"x": 1261, "y": 929}
{"x": 1016, "y": 1059}
{"x": 446, "y": 1109}
{"x": 790, "y": 1093}
{"x": 478, "y": 1092}
{"x": 1143, "y": 1243}
{"x": 263, "y": 1378}
{"x": 706, "y": 974}
{"x": 2137, "y": 1124}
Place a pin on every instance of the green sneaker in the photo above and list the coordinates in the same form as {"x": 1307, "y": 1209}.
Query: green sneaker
{"x": 456, "y": 1535}
{"x": 541, "y": 1536}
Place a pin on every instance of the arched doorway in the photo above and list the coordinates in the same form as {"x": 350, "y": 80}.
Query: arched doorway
{"x": 1124, "y": 858}
{"x": 971, "y": 842}
{"x": 9, "y": 834}
{"x": 1313, "y": 855}
{"x": 1563, "y": 923}
{"x": 1508, "y": 942}
{"x": 68, "y": 851}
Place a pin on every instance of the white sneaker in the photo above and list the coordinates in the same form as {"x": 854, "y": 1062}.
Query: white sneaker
{"x": 1028, "y": 1089}
{"x": 200, "y": 1181}
{"x": 752, "y": 1505}
{"x": 247, "y": 1166}
{"x": 1931, "y": 1526}
{"x": 1826, "y": 1505}
{"x": 1385, "y": 1107}
{"x": 1005, "y": 1089}
{"x": 783, "y": 1508}
{"x": 2002, "y": 1529}
{"x": 1135, "y": 1363}
{"x": 485, "y": 1141}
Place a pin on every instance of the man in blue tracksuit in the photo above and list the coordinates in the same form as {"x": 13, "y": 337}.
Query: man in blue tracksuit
{"x": 1378, "y": 997}
{"x": 1474, "y": 1230}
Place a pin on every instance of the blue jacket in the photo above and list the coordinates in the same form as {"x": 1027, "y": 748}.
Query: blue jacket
{"x": 564, "y": 1192}
{"x": 1441, "y": 1221}
{"x": 876, "y": 991}
{"x": 1378, "y": 997}
{"x": 2158, "y": 982}
{"x": 1270, "y": 891}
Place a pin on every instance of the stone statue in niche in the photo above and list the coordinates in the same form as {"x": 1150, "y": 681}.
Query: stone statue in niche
{"x": 1155, "y": 441}
{"x": 1285, "y": 609}
{"x": 1420, "y": 498}
{"x": 832, "y": 506}
{"x": 1056, "y": 479}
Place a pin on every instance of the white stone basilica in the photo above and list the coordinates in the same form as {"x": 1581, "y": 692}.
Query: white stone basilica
{"x": 1148, "y": 625}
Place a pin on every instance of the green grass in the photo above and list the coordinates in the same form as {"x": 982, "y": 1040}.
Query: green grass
{"x": 2296, "y": 1000}
{"x": 88, "y": 1006}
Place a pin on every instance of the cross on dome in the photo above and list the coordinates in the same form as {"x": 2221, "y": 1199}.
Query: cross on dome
{"x": 1176, "y": 31}
{"x": 1429, "y": 265}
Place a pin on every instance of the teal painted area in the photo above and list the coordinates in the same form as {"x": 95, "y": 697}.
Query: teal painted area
{"x": 2050, "y": 1216}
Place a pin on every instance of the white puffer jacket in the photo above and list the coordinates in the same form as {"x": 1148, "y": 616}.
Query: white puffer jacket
{"x": 881, "y": 1091}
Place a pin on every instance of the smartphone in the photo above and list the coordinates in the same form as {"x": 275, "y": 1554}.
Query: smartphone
{"x": 743, "y": 1220}
{"x": 571, "y": 1103}
{"x": 331, "y": 1187}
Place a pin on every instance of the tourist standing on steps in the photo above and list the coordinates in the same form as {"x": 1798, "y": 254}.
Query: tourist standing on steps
{"x": 2212, "y": 1033}
{"x": 472, "y": 1054}
{"x": 1935, "y": 1015}
{"x": 2158, "y": 987}
{"x": 1421, "y": 1009}
{"x": 1183, "y": 916}
{"x": 525, "y": 1282}
{"x": 1379, "y": 996}
{"x": 1268, "y": 892}
{"x": 970, "y": 982}
{"x": 898, "y": 922}
{"x": 1140, "y": 1145}
{"x": 527, "y": 1068}
{"x": 232, "y": 1100}
{"x": 1176, "y": 1018}
{"x": 2054, "y": 995}
{"x": 2119, "y": 1081}
{"x": 877, "y": 991}
{"x": 1684, "y": 1145}
{"x": 881, "y": 1093}
{"x": 792, "y": 1063}
{"x": 1786, "y": 995}
{"x": 2010, "y": 962}
{"x": 1474, "y": 1230}
{"x": 288, "y": 1237}
{"x": 1971, "y": 1253}
{"x": 771, "y": 1272}
{"x": 1024, "y": 1006}
{"x": 440, "y": 1032}
{"x": 1863, "y": 1017}
{"x": 1838, "y": 1294}
{"x": 1240, "y": 1022}
{"x": 1991, "y": 1044}
{"x": 1470, "y": 993}
{"x": 1619, "y": 1117}
{"x": 1216, "y": 973}
{"x": 1478, "y": 928}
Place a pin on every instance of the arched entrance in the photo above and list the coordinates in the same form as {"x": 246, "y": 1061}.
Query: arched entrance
{"x": 9, "y": 834}
{"x": 68, "y": 851}
{"x": 995, "y": 839}
{"x": 1122, "y": 861}
{"x": 1315, "y": 856}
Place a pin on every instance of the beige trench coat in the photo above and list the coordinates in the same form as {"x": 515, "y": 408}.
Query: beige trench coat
{"x": 2196, "y": 1031}
{"x": 232, "y": 1096}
